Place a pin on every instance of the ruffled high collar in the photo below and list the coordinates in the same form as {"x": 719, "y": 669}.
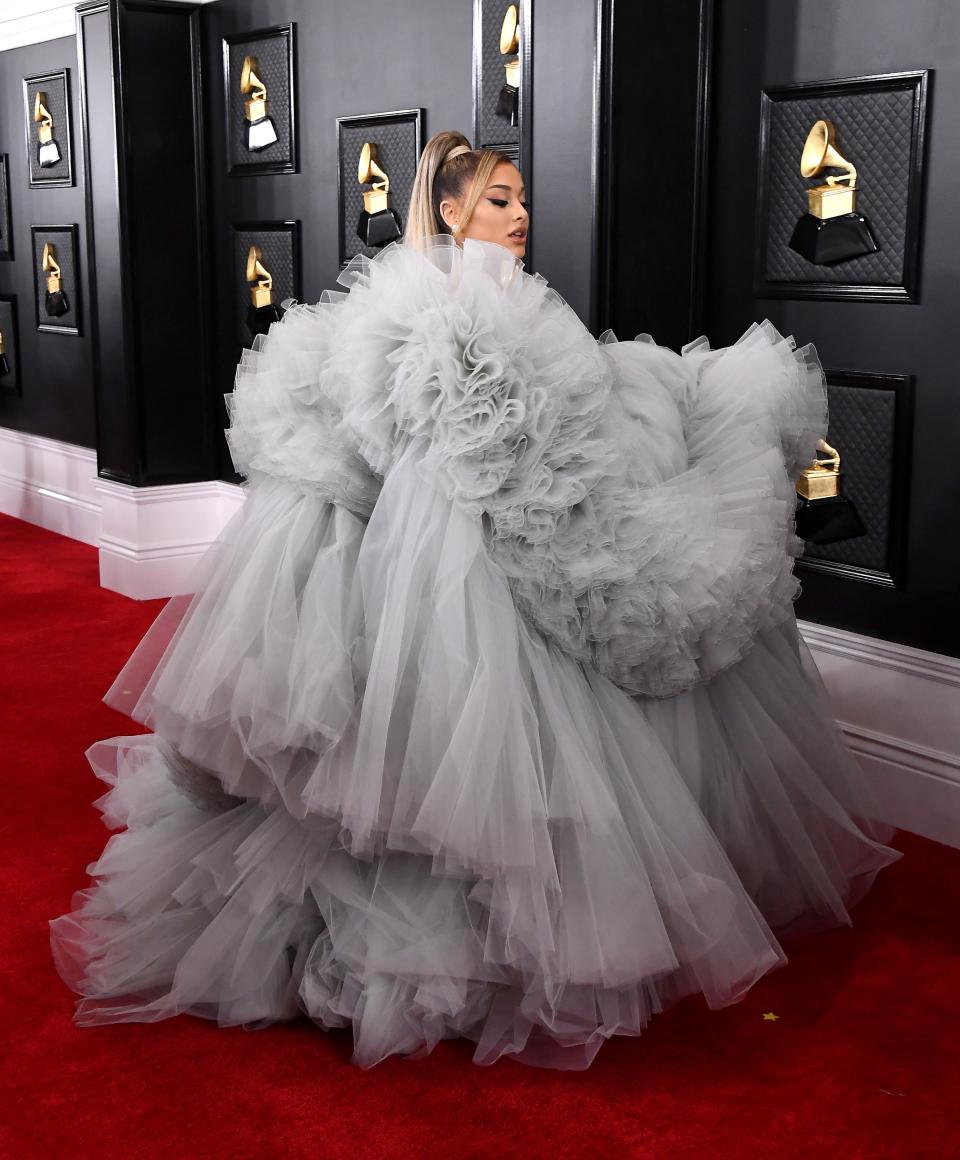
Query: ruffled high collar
{"x": 444, "y": 253}
{"x": 500, "y": 262}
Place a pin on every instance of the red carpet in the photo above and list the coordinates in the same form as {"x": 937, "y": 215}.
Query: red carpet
{"x": 863, "y": 1060}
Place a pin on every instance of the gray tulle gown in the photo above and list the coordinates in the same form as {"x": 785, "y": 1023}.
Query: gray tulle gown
{"x": 489, "y": 716}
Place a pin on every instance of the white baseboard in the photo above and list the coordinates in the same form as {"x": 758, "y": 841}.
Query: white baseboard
{"x": 899, "y": 709}
{"x": 149, "y": 538}
{"x": 51, "y": 484}
{"x": 152, "y": 537}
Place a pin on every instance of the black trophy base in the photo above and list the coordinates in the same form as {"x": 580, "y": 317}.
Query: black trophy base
{"x": 261, "y": 134}
{"x": 824, "y": 241}
{"x": 48, "y": 154}
{"x": 376, "y": 229}
{"x": 825, "y": 521}
{"x": 261, "y": 318}
{"x": 508, "y": 105}
{"x": 4, "y": 366}
{"x": 57, "y": 303}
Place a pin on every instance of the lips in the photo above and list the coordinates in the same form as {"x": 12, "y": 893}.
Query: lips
{"x": 519, "y": 235}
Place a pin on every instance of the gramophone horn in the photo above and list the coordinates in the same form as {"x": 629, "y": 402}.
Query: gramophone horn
{"x": 820, "y": 152}
{"x": 250, "y": 82}
{"x": 48, "y": 260}
{"x": 41, "y": 113}
{"x": 509, "y": 41}
{"x": 368, "y": 171}
{"x": 256, "y": 271}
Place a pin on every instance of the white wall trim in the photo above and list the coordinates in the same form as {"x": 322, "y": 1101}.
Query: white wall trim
{"x": 152, "y": 537}
{"x": 884, "y": 654}
{"x": 149, "y": 538}
{"x": 34, "y": 21}
{"x": 919, "y": 787}
{"x": 49, "y": 483}
{"x": 899, "y": 710}
{"x": 893, "y": 750}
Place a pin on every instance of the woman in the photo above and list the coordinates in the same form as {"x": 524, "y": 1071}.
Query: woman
{"x": 489, "y": 717}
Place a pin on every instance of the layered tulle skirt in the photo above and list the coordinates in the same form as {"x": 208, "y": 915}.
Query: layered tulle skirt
{"x": 373, "y": 794}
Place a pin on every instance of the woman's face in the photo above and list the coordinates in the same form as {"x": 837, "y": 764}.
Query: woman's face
{"x": 500, "y": 214}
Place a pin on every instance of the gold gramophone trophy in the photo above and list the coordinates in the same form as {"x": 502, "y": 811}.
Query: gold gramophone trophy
{"x": 48, "y": 151}
{"x": 832, "y": 230}
{"x": 4, "y": 361}
{"x": 57, "y": 304}
{"x": 261, "y": 131}
{"x": 823, "y": 514}
{"x": 262, "y": 311}
{"x": 508, "y": 99}
{"x": 378, "y": 224}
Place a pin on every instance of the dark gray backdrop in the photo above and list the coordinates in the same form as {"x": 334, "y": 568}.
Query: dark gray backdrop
{"x": 761, "y": 44}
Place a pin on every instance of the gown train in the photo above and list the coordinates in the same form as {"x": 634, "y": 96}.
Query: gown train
{"x": 408, "y": 770}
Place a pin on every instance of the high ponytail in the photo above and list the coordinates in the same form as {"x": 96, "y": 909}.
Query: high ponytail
{"x": 446, "y": 166}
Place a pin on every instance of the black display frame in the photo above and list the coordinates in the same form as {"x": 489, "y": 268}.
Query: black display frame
{"x": 416, "y": 117}
{"x": 907, "y": 291}
{"x": 262, "y": 168}
{"x": 289, "y": 226}
{"x": 15, "y": 389}
{"x": 6, "y": 218}
{"x": 64, "y": 133}
{"x": 48, "y": 327}
{"x": 894, "y": 574}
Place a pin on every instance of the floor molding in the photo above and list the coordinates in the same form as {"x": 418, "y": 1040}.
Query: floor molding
{"x": 49, "y": 483}
{"x": 919, "y": 787}
{"x": 899, "y": 709}
{"x": 149, "y": 538}
{"x": 152, "y": 537}
{"x": 883, "y": 654}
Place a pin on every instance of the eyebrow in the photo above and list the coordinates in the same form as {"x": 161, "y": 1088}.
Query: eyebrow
{"x": 523, "y": 188}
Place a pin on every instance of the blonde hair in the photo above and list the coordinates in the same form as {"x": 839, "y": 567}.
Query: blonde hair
{"x": 447, "y": 163}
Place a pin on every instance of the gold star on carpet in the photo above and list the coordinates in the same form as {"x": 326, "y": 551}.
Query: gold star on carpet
{"x": 770, "y": 1017}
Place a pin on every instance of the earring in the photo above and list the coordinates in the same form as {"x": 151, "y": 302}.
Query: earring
{"x": 455, "y": 228}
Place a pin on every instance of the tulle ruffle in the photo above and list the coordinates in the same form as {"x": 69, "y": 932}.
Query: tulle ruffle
{"x": 441, "y": 824}
{"x": 654, "y": 554}
{"x": 393, "y": 781}
{"x": 249, "y": 916}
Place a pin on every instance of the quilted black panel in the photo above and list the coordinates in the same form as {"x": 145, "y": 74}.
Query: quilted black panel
{"x": 273, "y": 56}
{"x": 862, "y": 428}
{"x": 278, "y": 248}
{"x": 67, "y": 261}
{"x": 396, "y": 139}
{"x": 494, "y": 130}
{"x": 10, "y": 384}
{"x": 58, "y": 104}
{"x": 874, "y": 132}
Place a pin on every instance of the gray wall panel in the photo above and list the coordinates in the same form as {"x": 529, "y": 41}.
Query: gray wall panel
{"x": 761, "y": 43}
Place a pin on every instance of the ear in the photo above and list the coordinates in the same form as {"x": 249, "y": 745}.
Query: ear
{"x": 449, "y": 211}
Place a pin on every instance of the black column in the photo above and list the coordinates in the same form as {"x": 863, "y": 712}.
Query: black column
{"x": 139, "y": 63}
{"x": 652, "y": 166}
